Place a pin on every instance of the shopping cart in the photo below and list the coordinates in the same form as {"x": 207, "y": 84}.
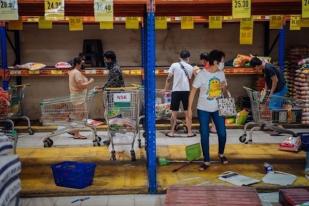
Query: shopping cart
{"x": 14, "y": 109}
{"x": 163, "y": 111}
{"x": 122, "y": 115}
{"x": 266, "y": 119}
{"x": 71, "y": 113}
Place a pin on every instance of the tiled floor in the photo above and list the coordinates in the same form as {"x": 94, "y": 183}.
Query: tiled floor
{"x": 163, "y": 144}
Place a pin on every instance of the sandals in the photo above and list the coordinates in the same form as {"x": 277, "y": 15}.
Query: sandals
{"x": 79, "y": 137}
{"x": 223, "y": 160}
{"x": 204, "y": 167}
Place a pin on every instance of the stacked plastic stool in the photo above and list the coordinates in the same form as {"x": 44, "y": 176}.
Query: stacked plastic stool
{"x": 10, "y": 169}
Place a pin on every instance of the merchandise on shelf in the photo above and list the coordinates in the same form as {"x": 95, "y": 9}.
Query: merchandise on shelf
{"x": 31, "y": 66}
{"x": 63, "y": 65}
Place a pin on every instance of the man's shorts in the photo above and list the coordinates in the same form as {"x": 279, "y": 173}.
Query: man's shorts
{"x": 177, "y": 97}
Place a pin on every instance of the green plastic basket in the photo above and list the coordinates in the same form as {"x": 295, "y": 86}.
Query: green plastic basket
{"x": 193, "y": 152}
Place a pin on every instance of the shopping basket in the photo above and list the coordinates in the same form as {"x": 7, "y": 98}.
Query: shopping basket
{"x": 73, "y": 174}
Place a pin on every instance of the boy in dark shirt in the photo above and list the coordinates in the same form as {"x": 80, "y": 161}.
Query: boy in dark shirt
{"x": 114, "y": 78}
{"x": 274, "y": 82}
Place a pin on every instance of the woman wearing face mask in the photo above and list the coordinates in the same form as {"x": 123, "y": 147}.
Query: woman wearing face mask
{"x": 212, "y": 84}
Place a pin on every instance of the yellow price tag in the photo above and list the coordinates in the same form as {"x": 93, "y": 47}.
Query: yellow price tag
{"x": 305, "y": 8}
{"x": 76, "y": 24}
{"x": 241, "y": 8}
{"x": 132, "y": 22}
{"x": 56, "y": 72}
{"x": 276, "y": 22}
{"x": 227, "y": 18}
{"x": 246, "y": 31}
{"x": 45, "y": 24}
{"x": 106, "y": 25}
{"x": 161, "y": 22}
{"x": 9, "y": 10}
{"x": 305, "y": 23}
{"x": 54, "y": 9}
{"x": 215, "y": 22}
{"x": 34, "y": 72}
{"x": 103, "y": 10}
{"x": 15, "y": 25}
{"x": 187, "y": 22}
{"x": 295, "y": 22}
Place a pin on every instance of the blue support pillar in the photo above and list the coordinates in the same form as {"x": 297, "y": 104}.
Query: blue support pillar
{"x": 150, "y": 96}
{"x": 4, "y": 61}
{"x": 282, "y": 34}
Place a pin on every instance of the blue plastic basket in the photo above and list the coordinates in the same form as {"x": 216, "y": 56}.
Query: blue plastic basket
{"x": 305, "y": 140}
{"x": 73, "y": 174}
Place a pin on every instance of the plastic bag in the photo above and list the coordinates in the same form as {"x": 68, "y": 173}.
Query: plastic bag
{"x": 241, "y": 117}
{"x": 290, "y": 144}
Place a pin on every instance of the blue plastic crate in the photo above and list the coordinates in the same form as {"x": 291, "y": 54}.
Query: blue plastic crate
{"x": 305, "y": 140}
{"x": 73, "y": 174}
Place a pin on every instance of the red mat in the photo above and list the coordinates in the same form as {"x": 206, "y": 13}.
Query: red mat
{"x": 211, "y": 196}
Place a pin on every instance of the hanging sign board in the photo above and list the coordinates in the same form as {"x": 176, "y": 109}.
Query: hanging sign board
{"x": 132, "y": 22}
{"x": 103, "y": 10}
{"x": 45, "y": 24}
{"x": 15, "y": 25}
{"x": 241, "y": 9}
{"x": 8, "y": 10}
{"x": 246, "y": 31}
{"x": 295, "y": 22}
{"x": 54, "y": 10}
{"x": 161, "y": 22}
{"x": 76, "y": 24}
{"x": 106, "y": 25}
{"x": 305, "y": 8}
{"x": 276, "y": 22}
{"x": 215, "y": 22}
{"x": 187, "y": 22}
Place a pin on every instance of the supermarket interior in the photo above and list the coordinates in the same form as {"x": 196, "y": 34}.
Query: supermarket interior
{"x": 98, "y": 104}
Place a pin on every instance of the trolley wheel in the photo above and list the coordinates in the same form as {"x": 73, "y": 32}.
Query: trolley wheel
{"x": 113, "y": 157}
{"x": 96, "y": 143}
{"x": 139, "y": 143}
{"x": 185, "y": 129}
{"x": 133, "y": 156}
{"x": 144, "y": 134}
{"x": 30, "y": 131}
{"x": 48, "y": 142}
{"x": 242, "y": 138}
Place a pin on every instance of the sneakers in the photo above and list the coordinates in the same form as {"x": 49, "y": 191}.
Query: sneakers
{"x": 204, "y": 166}
{"x": 223, "y": 160}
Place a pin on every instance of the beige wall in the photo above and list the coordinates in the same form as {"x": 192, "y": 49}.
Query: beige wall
{"x": 58, "y": 44}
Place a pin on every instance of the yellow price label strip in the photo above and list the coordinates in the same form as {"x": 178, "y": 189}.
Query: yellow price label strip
{"x": 103, "y": 10}
{"x": 187, "y": 22}
{"x": 305, "y": 23}
{"x": 34, "y": 72}
{"x": 76, "y": 24}
{"x": 9, "y": 10}
{"x": 161, "y": 22}
{"x": 215, "y": 22}
{"x": 15, "y": 25}
{"x": 305, "y": 8}
{"x": 241, "y": 8}
{"x": 54, "y": 9}
{"x": 45, "y": 24}
{"x": 276, "y": 21}
{"x": 56, "y": 72}
{"x": 295, "y": 22}
{"x": 132, "y": 22}
{"x": 106, "y": 25}
{"x": 246, "y": 31}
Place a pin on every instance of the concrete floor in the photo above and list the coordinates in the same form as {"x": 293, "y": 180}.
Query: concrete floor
{"x": 35, "y": 141}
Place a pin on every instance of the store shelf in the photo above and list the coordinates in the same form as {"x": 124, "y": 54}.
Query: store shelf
{"x": 165, "y": 7}
{"x": 131, "y": 71}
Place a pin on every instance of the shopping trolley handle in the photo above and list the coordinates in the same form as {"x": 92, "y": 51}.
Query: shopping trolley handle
{"x": 121, "y": 88}
{"x": 21, "y": 85}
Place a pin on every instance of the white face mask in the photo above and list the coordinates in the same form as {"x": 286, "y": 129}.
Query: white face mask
{"x": 221, "y": 66}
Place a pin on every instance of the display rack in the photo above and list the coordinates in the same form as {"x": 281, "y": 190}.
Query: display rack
{"x": 148, "y": 9}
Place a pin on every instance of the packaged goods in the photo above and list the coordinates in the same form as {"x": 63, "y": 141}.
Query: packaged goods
{"x": 63, "y": 65}
{"x": 31, "y": 66}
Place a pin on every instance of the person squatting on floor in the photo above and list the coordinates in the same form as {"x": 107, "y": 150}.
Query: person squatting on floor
{"x": 181, "y": 74}
{"x": 212, "y": 85}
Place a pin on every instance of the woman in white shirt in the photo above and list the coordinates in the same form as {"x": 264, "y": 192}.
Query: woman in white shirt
{"x": 212, "y": 85}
